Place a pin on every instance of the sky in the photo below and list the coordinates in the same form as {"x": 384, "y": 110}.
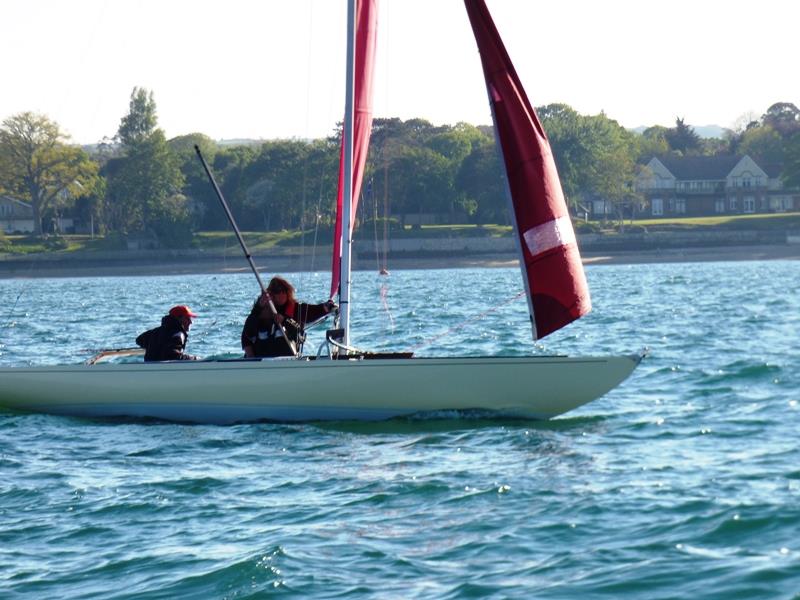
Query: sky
{"x": 266, "y": 69}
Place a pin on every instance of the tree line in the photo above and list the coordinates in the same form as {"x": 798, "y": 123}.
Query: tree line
{"x": 142, "y": 183}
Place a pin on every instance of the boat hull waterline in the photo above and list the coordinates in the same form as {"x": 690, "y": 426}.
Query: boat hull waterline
{"x": 235, "y": 391}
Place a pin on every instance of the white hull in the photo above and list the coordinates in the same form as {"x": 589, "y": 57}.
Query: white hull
{"x": 301, "y": 390}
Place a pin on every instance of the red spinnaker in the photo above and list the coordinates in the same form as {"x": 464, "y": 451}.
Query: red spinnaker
{"x": 557, "y": 289}
{"x": 366, "y": 30}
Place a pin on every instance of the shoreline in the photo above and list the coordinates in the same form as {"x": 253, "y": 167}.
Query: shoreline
{"x": 42, "y": 268}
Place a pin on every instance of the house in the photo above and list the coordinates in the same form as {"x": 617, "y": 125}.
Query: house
{"x": 16, "y": 216}
{"x": 694, "y": 186}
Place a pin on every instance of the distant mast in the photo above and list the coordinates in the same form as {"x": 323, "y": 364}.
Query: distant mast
{"x": 551, "y": 264}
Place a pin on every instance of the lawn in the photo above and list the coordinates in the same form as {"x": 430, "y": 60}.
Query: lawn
{"x": 767, "y": 221}
{"x": 265, "y": 241}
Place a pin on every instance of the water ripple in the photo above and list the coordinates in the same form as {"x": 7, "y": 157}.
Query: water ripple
{"x": 682, "y": 483}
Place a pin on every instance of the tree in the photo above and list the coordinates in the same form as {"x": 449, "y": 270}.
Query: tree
{"x": 652, "y": 142}
{"x": 783, "y": 117}
{"x": 274, "y": 185}
{"x": 145, "y": 183}
{"x": 610, "y": 171}
{"x": 423, "y": 182}
{"x": 481, "y": 180}
{"x": 571, "y": 148}
{"x": 140, "y": 122}
{"x": 683, "y": 138}
{"x": 37, "y": 164}
{"x": 762, "y": 143}
{"x": 791, "y": 168}
{"x": 200, "y": 194}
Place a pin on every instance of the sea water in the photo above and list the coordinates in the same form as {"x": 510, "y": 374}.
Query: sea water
{"x": 684, "y": 482}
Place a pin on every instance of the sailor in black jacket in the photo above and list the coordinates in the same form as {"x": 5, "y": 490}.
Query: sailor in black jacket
{"x": 168, "y": 341}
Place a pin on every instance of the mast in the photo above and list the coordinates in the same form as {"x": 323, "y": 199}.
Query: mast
{"x": 347, "y": 204}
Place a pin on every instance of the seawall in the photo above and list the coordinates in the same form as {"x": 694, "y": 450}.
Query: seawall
{"x": 410, "y": 253}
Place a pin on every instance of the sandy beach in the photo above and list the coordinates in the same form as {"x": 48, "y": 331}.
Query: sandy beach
{"x": 267, "y": 264}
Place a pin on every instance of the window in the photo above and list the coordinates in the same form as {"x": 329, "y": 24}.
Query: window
{"x": 680, "y": 206}
{"x": 719, "y": 205}
{"x": 749, "y": 204}
{"x": 732, "y": 204}
{"x": 600, "y": 207}
{"x": 657, "y": 207}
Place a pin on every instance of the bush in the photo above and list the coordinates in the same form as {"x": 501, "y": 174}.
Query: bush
{"x": 55, "y": 242}
{"x": 393, "y": 224}
{"x": 173, "y": 233}
{"x": 587, "y": 227}
{"x": 631, "y": 229}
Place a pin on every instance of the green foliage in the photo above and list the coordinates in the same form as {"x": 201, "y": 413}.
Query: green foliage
{"x": 55, "y": 242}
{"x": 144, "y": 184}
{"x": 587, "y": 227}
{"x": 140, "y": 122}
{"x": 653, "y": 142}
{"x": 783, "y": 117}
{"x": 200, "y": 193}
{"x": 37, "y": 165}
{"x": 155, "y": 187}
{"x": 171, "y": 223}
{"x": 682, "y": 138}
{"x": 481, "y": 180}
{"x": 5, "y": 243}
{"x": 279, "y": 187}
{"x": 791, "y": 170}
{"x": 764, "y": 144}
{"x": 594, "y": 154}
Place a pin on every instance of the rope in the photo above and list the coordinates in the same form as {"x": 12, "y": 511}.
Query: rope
{"x": 10, "y": 314}
{"x": 466, "y": 322}
{"x": 375, "y": 226}
{"x": 384, "y": 293}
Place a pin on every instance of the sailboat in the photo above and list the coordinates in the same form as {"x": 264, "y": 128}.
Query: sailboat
{"x": 347, "y": 384}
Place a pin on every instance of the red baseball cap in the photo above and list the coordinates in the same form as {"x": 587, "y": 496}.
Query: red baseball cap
{"x": 181, "y": 311}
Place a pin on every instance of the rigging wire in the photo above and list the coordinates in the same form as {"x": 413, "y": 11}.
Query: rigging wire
{"x": 316, "y": 221}
{"x": 309, "y": 36}
{"x": 374, "y": 224}
{"x": 385, "y": 266}
{"x": 303, "y": 222}
{"x": 383, "y": 287}
{"x": 466, "y": 322}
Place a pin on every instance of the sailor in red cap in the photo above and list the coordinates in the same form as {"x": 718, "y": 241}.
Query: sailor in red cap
{"x": 168, "y": 341}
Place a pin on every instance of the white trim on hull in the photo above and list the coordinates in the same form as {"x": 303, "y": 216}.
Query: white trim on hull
{"x": 232, "y": 391}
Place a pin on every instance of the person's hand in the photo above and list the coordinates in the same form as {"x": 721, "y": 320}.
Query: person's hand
{"x": 278, "y": 319}
{"x": 264, "y": 298}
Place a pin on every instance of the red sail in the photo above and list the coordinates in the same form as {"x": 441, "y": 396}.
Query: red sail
{"x": 551, "y": 265}
{"x": 366, "y": 29}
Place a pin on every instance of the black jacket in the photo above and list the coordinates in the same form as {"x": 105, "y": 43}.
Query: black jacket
{"x": 263, "y": 335}
{"x": 166, "y": 342}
